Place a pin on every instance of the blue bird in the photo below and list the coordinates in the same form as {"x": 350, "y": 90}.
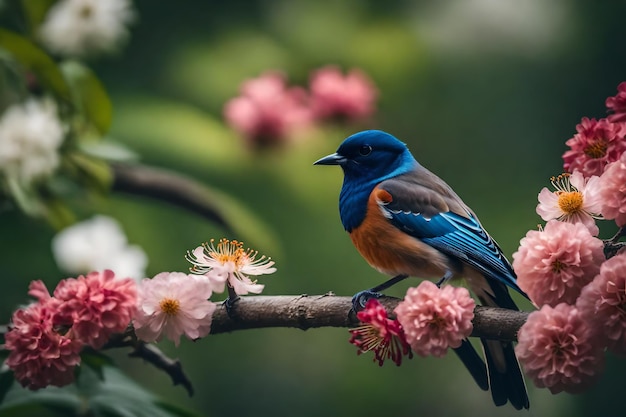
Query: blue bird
{"x": 406, "y": 221}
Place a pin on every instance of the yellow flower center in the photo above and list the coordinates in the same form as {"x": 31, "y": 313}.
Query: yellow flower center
{"x": 229, "y": 251}
{"x": 85, "y": 12}
{"x": 570, "y": 202}
{"x": 170, "y": 306}
{"x": 557, "y": 266}
{"x": 596, "y": 149}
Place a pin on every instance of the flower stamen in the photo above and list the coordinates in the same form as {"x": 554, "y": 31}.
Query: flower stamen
{"x": 597, "y": 148}
{"x": 570, "y": 202}
{"x": 169, "y": 306}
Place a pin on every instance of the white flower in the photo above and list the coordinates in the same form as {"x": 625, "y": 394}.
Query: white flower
{"x": 173, "y": 304}
{"x": 229, "y": 262}
{"x": 98, "y": 244}
{"x": 30, "y": 137}
{"x": 83, "y": 27}
{"x": 575, "y": 199}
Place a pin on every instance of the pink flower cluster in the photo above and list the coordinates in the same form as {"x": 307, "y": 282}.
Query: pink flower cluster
{"x": 563, "y": 267}
{"x": 436, "y": 319}
{"x": 268, "y": 111}
{"x": 46, "y": 337}
{"x": 554, "y": 264}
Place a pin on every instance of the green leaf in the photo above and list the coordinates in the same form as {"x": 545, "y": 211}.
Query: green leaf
{"x": 36, "y": 60}
{"x": 20, "y": 401}
{"x": 25, "y": 198}
{"x": 6, "y": 381}
{"x": 91, "y": 171}
{"x": 117, "y": 395}
{"x": 90, "y": 96}
{"x": 114, "y": 394}
{"x": 58, "y": 213}
{"x": 108, "y": 150}
{"x": 35, "y": 11}
{"x": 96, "y": 361}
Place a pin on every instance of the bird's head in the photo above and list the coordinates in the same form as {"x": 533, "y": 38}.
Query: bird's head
{"x": 371, "y": 155}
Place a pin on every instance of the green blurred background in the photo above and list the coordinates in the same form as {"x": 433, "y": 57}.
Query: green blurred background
{"x": 485, "y": 92}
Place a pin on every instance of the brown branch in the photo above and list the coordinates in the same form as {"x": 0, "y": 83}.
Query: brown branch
{"x": 170, "y": 187}
{"x": 313, "y": 311}
{"x": 151, "y": 354}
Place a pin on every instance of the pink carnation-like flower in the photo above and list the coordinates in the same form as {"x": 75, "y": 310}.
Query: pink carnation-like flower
{"x": 617, "y": 104}
{"x": 436, "y": 319}
{"x": 575, "y": 199}
{"x": 554, "y": 264}
{"x": 228, "y": 262}
{"x": 596, "y": 144}
{"x": 603, "y": 303}
{"x": 172, "y": 304}
{"x": 95, "y": 306}
{"x": 380, "y": 334}
{"x": 334, "y": 95}
{"x": 558, "y": 349}
{"x": 39, "y": 355}
{"x": 268, "y": 112}
{"x": 612, "y": 192}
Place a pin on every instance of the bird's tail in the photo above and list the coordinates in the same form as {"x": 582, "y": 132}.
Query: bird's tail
{"x": 474, "y": 363}
{"x": 505, "y": 377}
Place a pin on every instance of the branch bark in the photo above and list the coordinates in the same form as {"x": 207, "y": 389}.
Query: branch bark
{"x": 313, "y": 311}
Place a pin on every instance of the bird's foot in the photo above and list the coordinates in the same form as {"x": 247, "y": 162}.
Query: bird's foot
{"x": 445, "y": 278}
{"x": 362, "y": 297}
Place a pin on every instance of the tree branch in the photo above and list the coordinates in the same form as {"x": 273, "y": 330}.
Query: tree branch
{"x": 328, "y": 310}
{"x": 170, "y": 187}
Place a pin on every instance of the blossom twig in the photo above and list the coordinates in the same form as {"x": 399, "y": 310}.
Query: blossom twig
{"x": 612, "y": 246}
{"x": 151, "y": 354}
{"x": 156, "y": 357}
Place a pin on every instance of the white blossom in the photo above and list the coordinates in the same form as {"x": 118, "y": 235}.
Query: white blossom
{"x": 86, "y": 27}
{"x": 98, "y": 244}
{"x": 30, "y": 136}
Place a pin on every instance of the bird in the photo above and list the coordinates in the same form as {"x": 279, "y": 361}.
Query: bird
{"x": 406, "y": 221}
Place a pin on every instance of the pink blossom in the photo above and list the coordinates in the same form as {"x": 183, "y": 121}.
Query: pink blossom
{"x": 596, "y": 144}
{"x": 228, "y": 262}
{"x": 575, "y": 199}
{"x": 612, "y": 191}
{"x": 558, "y": 349}
{"x": 380, "y": 334}
{"x": 436, "y": 319}
{"x": 603, "y": 303}
{"x": 334, "y": 95}
{"x": 617, "y": 104}
{"x": 39, "y": 354}
{"x": 554, "y": 264}
{"x": 268, "y": 112}
{"x": 172, "y": 304}
{"x": 95, "y": 306}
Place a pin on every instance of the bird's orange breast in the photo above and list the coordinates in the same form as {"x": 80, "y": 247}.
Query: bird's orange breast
{"x": 389, "y": 249}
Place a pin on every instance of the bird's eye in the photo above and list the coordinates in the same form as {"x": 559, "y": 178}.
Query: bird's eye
{"x": 365, "y": 150}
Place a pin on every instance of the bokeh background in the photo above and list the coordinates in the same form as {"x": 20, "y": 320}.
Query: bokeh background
{"x": 485, "y": 92}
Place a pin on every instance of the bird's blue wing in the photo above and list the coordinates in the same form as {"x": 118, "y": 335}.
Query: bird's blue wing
{"x": 444, "y": 223}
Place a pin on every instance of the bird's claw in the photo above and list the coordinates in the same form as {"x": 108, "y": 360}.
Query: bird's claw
{"x": 362, "y": 297}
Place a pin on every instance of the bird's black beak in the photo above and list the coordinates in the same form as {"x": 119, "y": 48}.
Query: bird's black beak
{"x": 332, "y": 159}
